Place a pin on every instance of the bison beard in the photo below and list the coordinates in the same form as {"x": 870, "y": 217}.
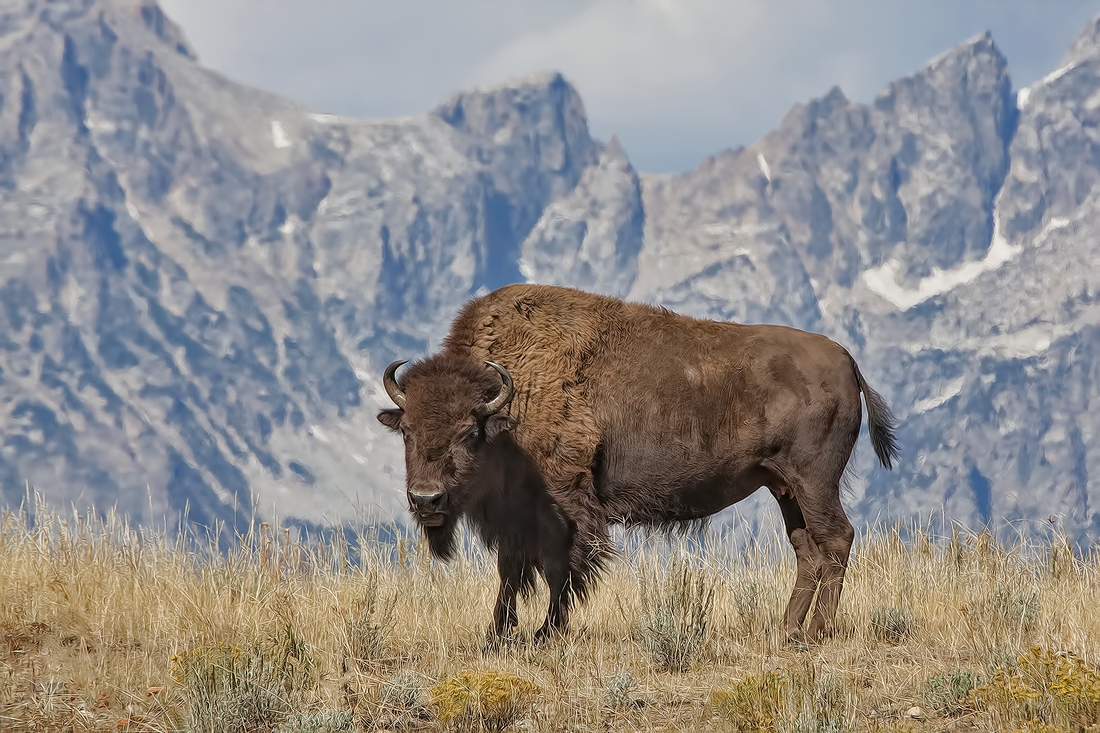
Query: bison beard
{"x": 602, "y": 411}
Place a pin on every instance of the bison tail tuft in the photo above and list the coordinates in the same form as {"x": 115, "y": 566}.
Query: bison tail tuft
{"x": 880, "y": 422}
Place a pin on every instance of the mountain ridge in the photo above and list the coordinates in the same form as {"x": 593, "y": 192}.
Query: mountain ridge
{"x": 202, "y": 281}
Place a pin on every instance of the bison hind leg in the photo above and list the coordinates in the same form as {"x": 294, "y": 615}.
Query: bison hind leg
{"x": 822, "y": 538}
{"x": 808, "y": 563}
{"x": 834, "y": 536}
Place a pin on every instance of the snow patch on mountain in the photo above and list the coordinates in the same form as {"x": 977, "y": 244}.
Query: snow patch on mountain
{"x": 762, "y": 162}
{"x": 278, "y": 135}
{"x": 952, "y": 390}
{"x": 882, "y": 280}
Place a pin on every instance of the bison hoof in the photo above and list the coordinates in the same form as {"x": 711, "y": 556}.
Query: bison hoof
{"x": 796, "y": 640}
{"x": 545, "y": 632}
{"x": 495, "y": 639}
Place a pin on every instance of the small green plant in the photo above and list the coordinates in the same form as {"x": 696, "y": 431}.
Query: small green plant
{"x": 822, "y": 705}
{"x": 948, "y": 693}
{"x": 748, "y": 600}
{"x": 1001, "y": 622}
{"x": 753, "y": 703}
{"x": 617, "y": 692}
{"x": 1015, "y": 610}
{"x": 487, "y": 699}
{"x": 402, "y": 691}
{"x": 399, "y": 701}
{"x": 674, "y": 613}
{"x": 891, "y": 625}
{"x": 796, "y": 700}
{"x": 320, "y": 721}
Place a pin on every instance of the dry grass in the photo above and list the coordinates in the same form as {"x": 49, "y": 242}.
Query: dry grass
{"x": 103, "y": 628}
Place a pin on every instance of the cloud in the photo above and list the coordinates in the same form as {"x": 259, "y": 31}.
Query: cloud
{"x": 690, "y": 73}
{"x": 678, "y": 79}
{"x": 643, "y": 57}
{"x": 675, "y": 79}
{"x": 358, "y": 57}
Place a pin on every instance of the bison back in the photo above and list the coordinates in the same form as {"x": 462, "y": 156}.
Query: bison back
{"x": 590, "y": 369}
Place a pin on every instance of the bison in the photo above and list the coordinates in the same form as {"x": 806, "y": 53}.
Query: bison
{"x": 551, "y": 413}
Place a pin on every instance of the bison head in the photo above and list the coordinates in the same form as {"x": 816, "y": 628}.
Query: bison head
{"x": 449, "y": 413}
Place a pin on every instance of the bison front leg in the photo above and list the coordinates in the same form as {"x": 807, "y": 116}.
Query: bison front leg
{"x": 555, "y": 544}
{"x": 510, "y": 566}
{"x": 557, "y": 615}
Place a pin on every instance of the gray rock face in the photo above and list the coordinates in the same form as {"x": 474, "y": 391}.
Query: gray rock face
{"x": 200, "y": 283}
{"x": 1014, "y": 437}
{"x": 591, "y": 237}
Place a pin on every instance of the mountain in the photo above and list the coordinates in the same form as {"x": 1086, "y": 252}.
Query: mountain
{"x": 201, "y": 282}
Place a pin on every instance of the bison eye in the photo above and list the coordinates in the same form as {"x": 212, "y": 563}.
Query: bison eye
{"x": 471, "y": 437}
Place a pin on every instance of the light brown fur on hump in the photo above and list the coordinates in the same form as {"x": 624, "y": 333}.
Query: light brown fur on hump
{"x": 545, "y": 344}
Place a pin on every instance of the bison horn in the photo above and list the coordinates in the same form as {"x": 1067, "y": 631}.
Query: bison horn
{"x": 395, "y": 392}
{"x": 502, "y": 399}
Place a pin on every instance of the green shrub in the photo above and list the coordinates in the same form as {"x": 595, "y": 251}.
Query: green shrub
{"x": 617, "y": 692}
{"x": 795, "y": 700}
{"x": 891, "y": 625}
{"x": 320, "y": 721}
{"x": 674, "y": 615}
{"x": 229, "y": 690}
{"x": 948, "y": 693}
{"x": 1044, "y": 687}
{"x": 366, "y": 630}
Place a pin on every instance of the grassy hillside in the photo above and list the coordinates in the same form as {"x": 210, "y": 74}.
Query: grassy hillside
{"x": 104, "y": 628}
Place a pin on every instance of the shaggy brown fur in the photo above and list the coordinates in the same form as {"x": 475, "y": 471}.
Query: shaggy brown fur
{"x": 628, "y": 413}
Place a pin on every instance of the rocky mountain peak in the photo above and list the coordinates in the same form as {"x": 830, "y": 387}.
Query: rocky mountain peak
{"x": 974, "y": 74}
{"x": 554, "y": 123}
{"x": 531, "y": 135}
{"x": 1086, "y": 46}
{"x": 164, "y": 29}
{"x": 613, "y": 150}
{"x": 200, "y": 283}
{"x": 115, "y": 18}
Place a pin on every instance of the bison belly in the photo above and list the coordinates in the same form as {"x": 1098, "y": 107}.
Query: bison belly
{"x": 652, "y": 482}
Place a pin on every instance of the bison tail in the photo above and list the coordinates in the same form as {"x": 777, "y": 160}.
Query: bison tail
{"x": 880, "y": 422}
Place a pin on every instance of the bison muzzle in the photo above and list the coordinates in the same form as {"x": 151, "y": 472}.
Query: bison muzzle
{"x": 551, "y": 414}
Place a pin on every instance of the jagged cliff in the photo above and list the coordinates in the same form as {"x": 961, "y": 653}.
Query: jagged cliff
{"x": 200, "y": 282}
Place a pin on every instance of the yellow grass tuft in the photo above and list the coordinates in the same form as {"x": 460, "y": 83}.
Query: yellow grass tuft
{"x": 106, "y": 628}
{"x": 484, "y": 699}
{"x": 1055, "y": 690}
{"x": 796, "y": 698}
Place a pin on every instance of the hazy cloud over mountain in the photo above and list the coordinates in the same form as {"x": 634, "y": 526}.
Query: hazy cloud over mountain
{"x": 675, "y": 80}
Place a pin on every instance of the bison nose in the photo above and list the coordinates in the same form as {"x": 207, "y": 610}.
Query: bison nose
{"x": 427, "y": 503}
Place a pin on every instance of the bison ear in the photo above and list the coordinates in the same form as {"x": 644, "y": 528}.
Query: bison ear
{"x": 497, "y": 424}
{"x": 390, "y": 418}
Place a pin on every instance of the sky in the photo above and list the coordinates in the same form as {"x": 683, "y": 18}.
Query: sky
{"x": 675, "y": 80}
